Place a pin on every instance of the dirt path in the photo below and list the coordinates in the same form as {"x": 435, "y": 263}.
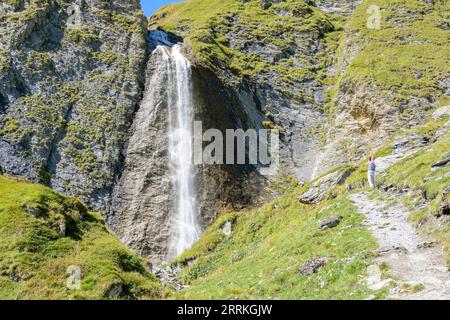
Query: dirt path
{"x": 414, "y": 262}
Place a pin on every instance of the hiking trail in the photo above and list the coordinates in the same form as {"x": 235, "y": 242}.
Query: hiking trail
{"x": 413, "y": 260}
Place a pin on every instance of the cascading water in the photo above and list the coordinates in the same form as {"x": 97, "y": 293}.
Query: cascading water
{"x": 184, "y": 229}
{"x": 154, "y": 208}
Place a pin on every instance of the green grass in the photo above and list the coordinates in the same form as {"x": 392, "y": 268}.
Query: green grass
{"x": 35, "y": 256}
{"x": 261, "y": 258}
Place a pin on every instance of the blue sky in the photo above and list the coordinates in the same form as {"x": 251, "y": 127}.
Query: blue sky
{"x": 150, "y": 6}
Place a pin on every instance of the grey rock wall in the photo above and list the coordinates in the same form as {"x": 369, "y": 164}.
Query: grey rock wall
{"x": 71, "y": 75}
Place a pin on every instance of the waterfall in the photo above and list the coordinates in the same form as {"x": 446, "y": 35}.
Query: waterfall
{"x": 154, "y": 208}
{"x": 184, "y": 226}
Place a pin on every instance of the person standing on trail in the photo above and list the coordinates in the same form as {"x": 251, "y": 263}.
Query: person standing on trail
{"x": 371, "y": 174}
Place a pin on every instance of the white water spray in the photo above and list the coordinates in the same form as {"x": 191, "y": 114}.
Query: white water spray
{"x": 185, "y": 229}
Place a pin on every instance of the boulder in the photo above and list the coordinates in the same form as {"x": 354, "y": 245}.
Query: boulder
{"x": 441, "y": 113}
{"x": 318, "y": 191}
{"x": 330, "y": 222}
{"x": 312, "y": 266}
{"x": 444, "y": 162}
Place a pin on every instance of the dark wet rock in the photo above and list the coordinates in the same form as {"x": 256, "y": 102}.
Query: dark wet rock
{"x": 330, "y": 222}
{"x": 312, "y": 266}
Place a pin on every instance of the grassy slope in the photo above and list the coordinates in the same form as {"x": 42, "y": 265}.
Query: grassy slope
{"x": 36, "y": 256}
{"x": 268, "y": 245}
{"x": 260, "y": 260}
{"x": 406, "y": 58}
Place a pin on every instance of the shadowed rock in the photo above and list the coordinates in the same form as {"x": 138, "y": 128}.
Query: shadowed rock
{"x": 330, "y": 222}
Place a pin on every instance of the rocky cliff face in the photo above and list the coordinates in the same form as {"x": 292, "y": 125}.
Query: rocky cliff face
{"x": 142, "y": 197}
{"x": 142, "y": 210}
{"x": 71, "y": 75}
